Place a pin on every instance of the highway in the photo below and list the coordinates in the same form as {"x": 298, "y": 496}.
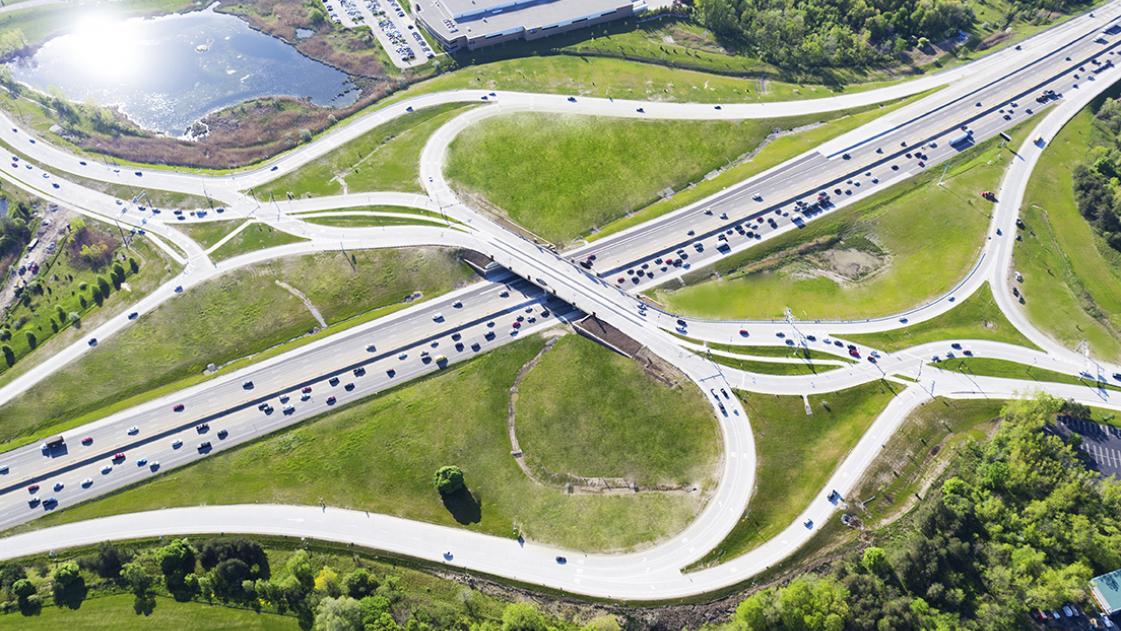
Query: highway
{"x": 546, "y": 283}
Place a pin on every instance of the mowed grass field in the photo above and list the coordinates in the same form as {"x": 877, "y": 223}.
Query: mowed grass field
{"x": 796, "y": 455}
{"x": 380, "y": 455}
{"x": 915, "y": 241}
{"x": 233, "y": 316}
{"x": 1072, "y": 279}
{"x": 773, "y": 153}
{"x": 675, "y": 427}
{"x": 386, "y": 158}
{"x": 976, "y": 318}
{"x": 114, "y": 612}
{"x": 562, "y": 176}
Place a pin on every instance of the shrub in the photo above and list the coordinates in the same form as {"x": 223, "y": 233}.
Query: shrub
{"x": 449, "y": 480}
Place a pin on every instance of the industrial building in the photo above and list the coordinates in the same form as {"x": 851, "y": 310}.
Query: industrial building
{"x": 472, "y": 24}
{"x": 1106, "y": 592}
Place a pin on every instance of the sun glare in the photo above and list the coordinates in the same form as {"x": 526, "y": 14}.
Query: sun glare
{"x": 105, "y": 47}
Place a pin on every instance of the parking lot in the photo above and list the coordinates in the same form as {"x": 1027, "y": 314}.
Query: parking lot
{"x": 393, "y": 27}
{"x": 1101, "y": 443}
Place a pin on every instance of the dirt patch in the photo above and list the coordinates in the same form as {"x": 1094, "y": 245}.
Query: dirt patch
{"x": 842, "y": 266}
{"x": 994, "y": 39}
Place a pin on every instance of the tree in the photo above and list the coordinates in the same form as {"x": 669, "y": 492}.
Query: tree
{"x": 449, "y": 480}
{"x": 32, "y": 341}
{"x": 359, "y": 583}
{"x": 522, "y": 617}
{"x": 177, "y": 560}
{"x": 227, "y": 577}
{"x": 136, "y": 576}
{"x": 327, "y": 581}
{"x": 23, "y": 588}
{"x": 67, "y": 585}
{"x": 874, "y": 561}
{"x": 299, "y": 566}
{"x": 814, "y": 604}
{"x": 108, "y": 561}
{"x": 338, "y": 614}
{"x": 9, "y": 355}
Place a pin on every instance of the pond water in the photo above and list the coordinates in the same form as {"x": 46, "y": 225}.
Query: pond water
{"x": 166, "y": 73}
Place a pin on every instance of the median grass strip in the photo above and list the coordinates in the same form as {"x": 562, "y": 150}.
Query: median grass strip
{"x": 255, "y": 236}
{"x": 537, "y": 168}
{"x": 883, "y": 255}
{"x": 386, "y": 158}
{"x": 380, "y": 455}
{"x": 776, "y": 151}
{"x": 796, "y": 454}
{"x": 978, "y": 317}
{"x": 371, "y": 221}
{"x": 764, "y": 367}
{"x": 207, "y": 233}
{"x": 1072, "y": 278}
{"x": 647, "y": 432}
{"x": 234, "y": 316}
{"x": 989, "y": 367}
{"x": 793, "y": 352}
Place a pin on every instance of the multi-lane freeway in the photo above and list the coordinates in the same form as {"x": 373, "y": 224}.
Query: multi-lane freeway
{"x": 539, "y": 287}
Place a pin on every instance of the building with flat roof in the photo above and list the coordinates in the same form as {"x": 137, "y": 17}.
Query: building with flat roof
{"x": 1106, "y": 592}
{"x": 471, "y": 24}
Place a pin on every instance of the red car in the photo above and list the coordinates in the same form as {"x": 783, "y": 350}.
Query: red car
{"x": 88, "y": 440}
{"x": 306, "y": 389}
{"x": 178, "y": 407}
{"x": 117, "y": 457}
{"x": 33, "y": 488}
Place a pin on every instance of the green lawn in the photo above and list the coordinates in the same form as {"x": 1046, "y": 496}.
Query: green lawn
{"x": 384, "y": 159}
{"x": 207, "y": 233}
{"x": 229, "y": 318}
{"x": 796, "y": 455}
{"x": 380, "y": 454}
{"x": 256, "y": 236}
{"x": 877, "y": 257}
{"x": 114, "y": 612}
{"x": 68, "y": 283}
{"x": 989, "y": 367}
{"x": 561, "y": 176}
{"x": 775, "y": 152}
{"x": 976, "y": 318}
{"x": 667, "y": 435}
{"x": 1072, "y": 279}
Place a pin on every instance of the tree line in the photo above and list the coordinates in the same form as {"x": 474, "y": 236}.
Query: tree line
{"x": 238, "y": 572}
{"x": 1020, "y": 524}
{"x": 812, "y": 34}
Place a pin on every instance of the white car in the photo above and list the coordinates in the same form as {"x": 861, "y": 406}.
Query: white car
{"x": 133, "y": 431}
{"x": 439, "y": 317}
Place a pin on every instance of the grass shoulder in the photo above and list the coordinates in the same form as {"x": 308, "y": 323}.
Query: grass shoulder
{"x": 796, "y": 453}
{"x": 380, "y": 455}
{"x": 978, "y": 317}
{"x": 881, "y": 256}
{"x": 239, "y": 315}
{"x": 534, "y": 168}
{"x": 1072, "y": 278}
{"x": 386, "y": 158}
